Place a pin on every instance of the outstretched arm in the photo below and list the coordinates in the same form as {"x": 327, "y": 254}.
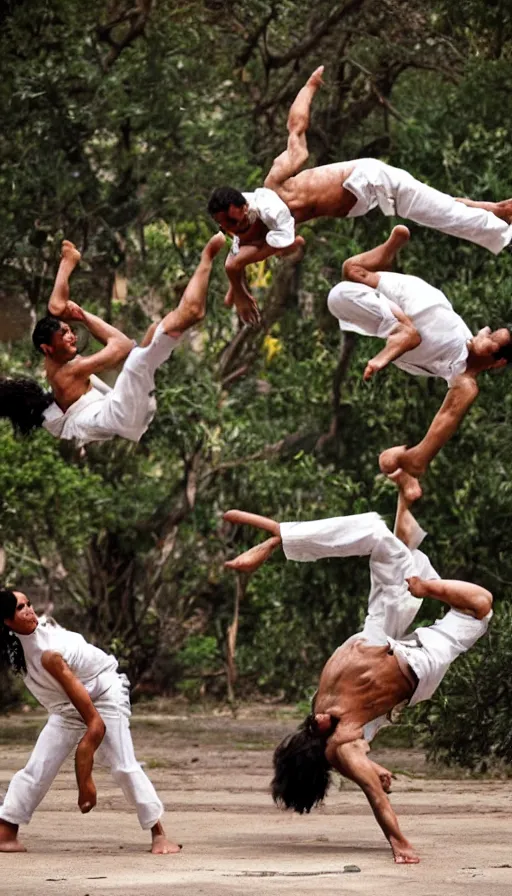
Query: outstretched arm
{"x": 296, "y": 153}
{"x": 351, "y": 760}
{"x": 457, "y": 403}
{"x": 463, "y": 596}
{"x": 84, "y": 756}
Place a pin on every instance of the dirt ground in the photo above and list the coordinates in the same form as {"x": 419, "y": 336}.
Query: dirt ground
{"x": 212, "y": 772}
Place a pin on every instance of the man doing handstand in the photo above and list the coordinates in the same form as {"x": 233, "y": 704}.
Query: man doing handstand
{"x": 349, "y": 190}
{"x": 376, "y": 670}
{"x": 424, "y": 336}
{"x": 81, "y": 406}
{"x": 89, "y": 709}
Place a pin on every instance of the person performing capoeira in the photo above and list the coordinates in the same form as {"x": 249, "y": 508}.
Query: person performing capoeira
{"x": 89, "y": 709}
{"x": 378, "y": 669}
{"x": 424, "y": 336}
{"x": 80, "y": 405}
{"x": 343, "y": 190}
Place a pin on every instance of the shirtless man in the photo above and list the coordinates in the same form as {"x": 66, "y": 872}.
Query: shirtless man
{"x": 424, "y": 336}
{"x": 81, "y": 406}
{"x": 351, "y": 189}
{"x": 89, "y": 709}
{"x": 378, "y": 669}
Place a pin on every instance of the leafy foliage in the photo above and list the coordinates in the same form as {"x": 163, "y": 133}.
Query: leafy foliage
{"x": 118, "y": 120}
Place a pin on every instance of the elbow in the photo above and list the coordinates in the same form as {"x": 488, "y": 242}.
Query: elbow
{"x": 483, "y": 604}
{"x": 122, "y": 348}
{"x": 412, "y": 335}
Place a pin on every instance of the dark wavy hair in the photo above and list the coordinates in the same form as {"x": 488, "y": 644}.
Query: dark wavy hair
{"x": 23, "y": 402}
{"x": 11, "y": 651}
{"x": 301, "y": 771}
{"x": 223, "y": 197}
{"x": 44, "y": 331}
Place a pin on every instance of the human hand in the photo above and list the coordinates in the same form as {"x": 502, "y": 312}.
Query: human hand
{"x": 404, "y": 855}
{"x": 87, "y": 795}
{"x": 245, "y": 305}
{"x": 73, "y": 311}
{"x": 417, "y": 586}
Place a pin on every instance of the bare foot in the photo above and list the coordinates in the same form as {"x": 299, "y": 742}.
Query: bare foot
{"x": 243, "y": 518}
{"x": 9, "y": 838}
{"x": 70, "y": 252}
{"x": 399, "y": 236}
{"x": 316, "y": 78}
{"x": 252, "y": 559}
{"x": 214, "y": 245}
{"x": 390, "y": 460}
{"x": 161, "y": 846}
{"x": 12, "y": 846}
{"x": 504, "y": 210}
{"x": 408, "y": 485}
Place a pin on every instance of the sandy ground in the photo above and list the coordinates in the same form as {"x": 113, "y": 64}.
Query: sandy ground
{"x": 212, "y": 772}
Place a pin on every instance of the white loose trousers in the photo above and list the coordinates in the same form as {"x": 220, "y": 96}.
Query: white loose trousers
{"x": 391, "y": 607}
{"x": 126, "y": 410}
{"x": 396, "y": 192}
{"x": 57, "y": 741}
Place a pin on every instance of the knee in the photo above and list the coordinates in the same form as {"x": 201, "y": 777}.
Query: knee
{"x": 339, "y": 302}
{"x": 232, "y": 265}
{"x": 485, "y": 601}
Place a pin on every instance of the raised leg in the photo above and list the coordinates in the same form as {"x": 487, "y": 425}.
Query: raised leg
{"x": 409, "y": 491}
{"x": 70, "y": 256}
{"x": 192, "y": 306}
{"x": 501, "y": 209}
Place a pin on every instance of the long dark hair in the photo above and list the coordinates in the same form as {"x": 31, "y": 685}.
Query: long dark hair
{"x": 11, "y": 651}
{"x": 23, "y": 402}
{"x": 301, "y": 771}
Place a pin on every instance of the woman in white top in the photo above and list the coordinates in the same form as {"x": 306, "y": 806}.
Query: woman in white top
{"x": 88, "y": 704}
{"x": 424, "y": 336}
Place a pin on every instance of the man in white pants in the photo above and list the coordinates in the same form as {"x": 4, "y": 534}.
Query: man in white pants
{"x": 378, "y": 669}
{"x": 351, "y": 189}
{"x": 81, "y": 406}
{"x": 89, "y": 709}
{"x": 424, "y": 336}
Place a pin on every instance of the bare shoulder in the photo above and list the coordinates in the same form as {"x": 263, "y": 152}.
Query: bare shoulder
{"x": 344, "y": 747}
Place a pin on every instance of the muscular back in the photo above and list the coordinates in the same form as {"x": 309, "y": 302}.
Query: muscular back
{"x": 359, "y": 683}
{"x": 317, "y": 192}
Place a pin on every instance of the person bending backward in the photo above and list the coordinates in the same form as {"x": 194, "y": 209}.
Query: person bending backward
{"x": 80, "y": 405}
{"x": 424, "y": 336}
{"x": 89, "y": 708}
{"x": 377, "y": 670}
{"x": 346, "y": 190}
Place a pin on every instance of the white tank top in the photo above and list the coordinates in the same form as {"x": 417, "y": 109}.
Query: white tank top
{"x": 92, "y": 666}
